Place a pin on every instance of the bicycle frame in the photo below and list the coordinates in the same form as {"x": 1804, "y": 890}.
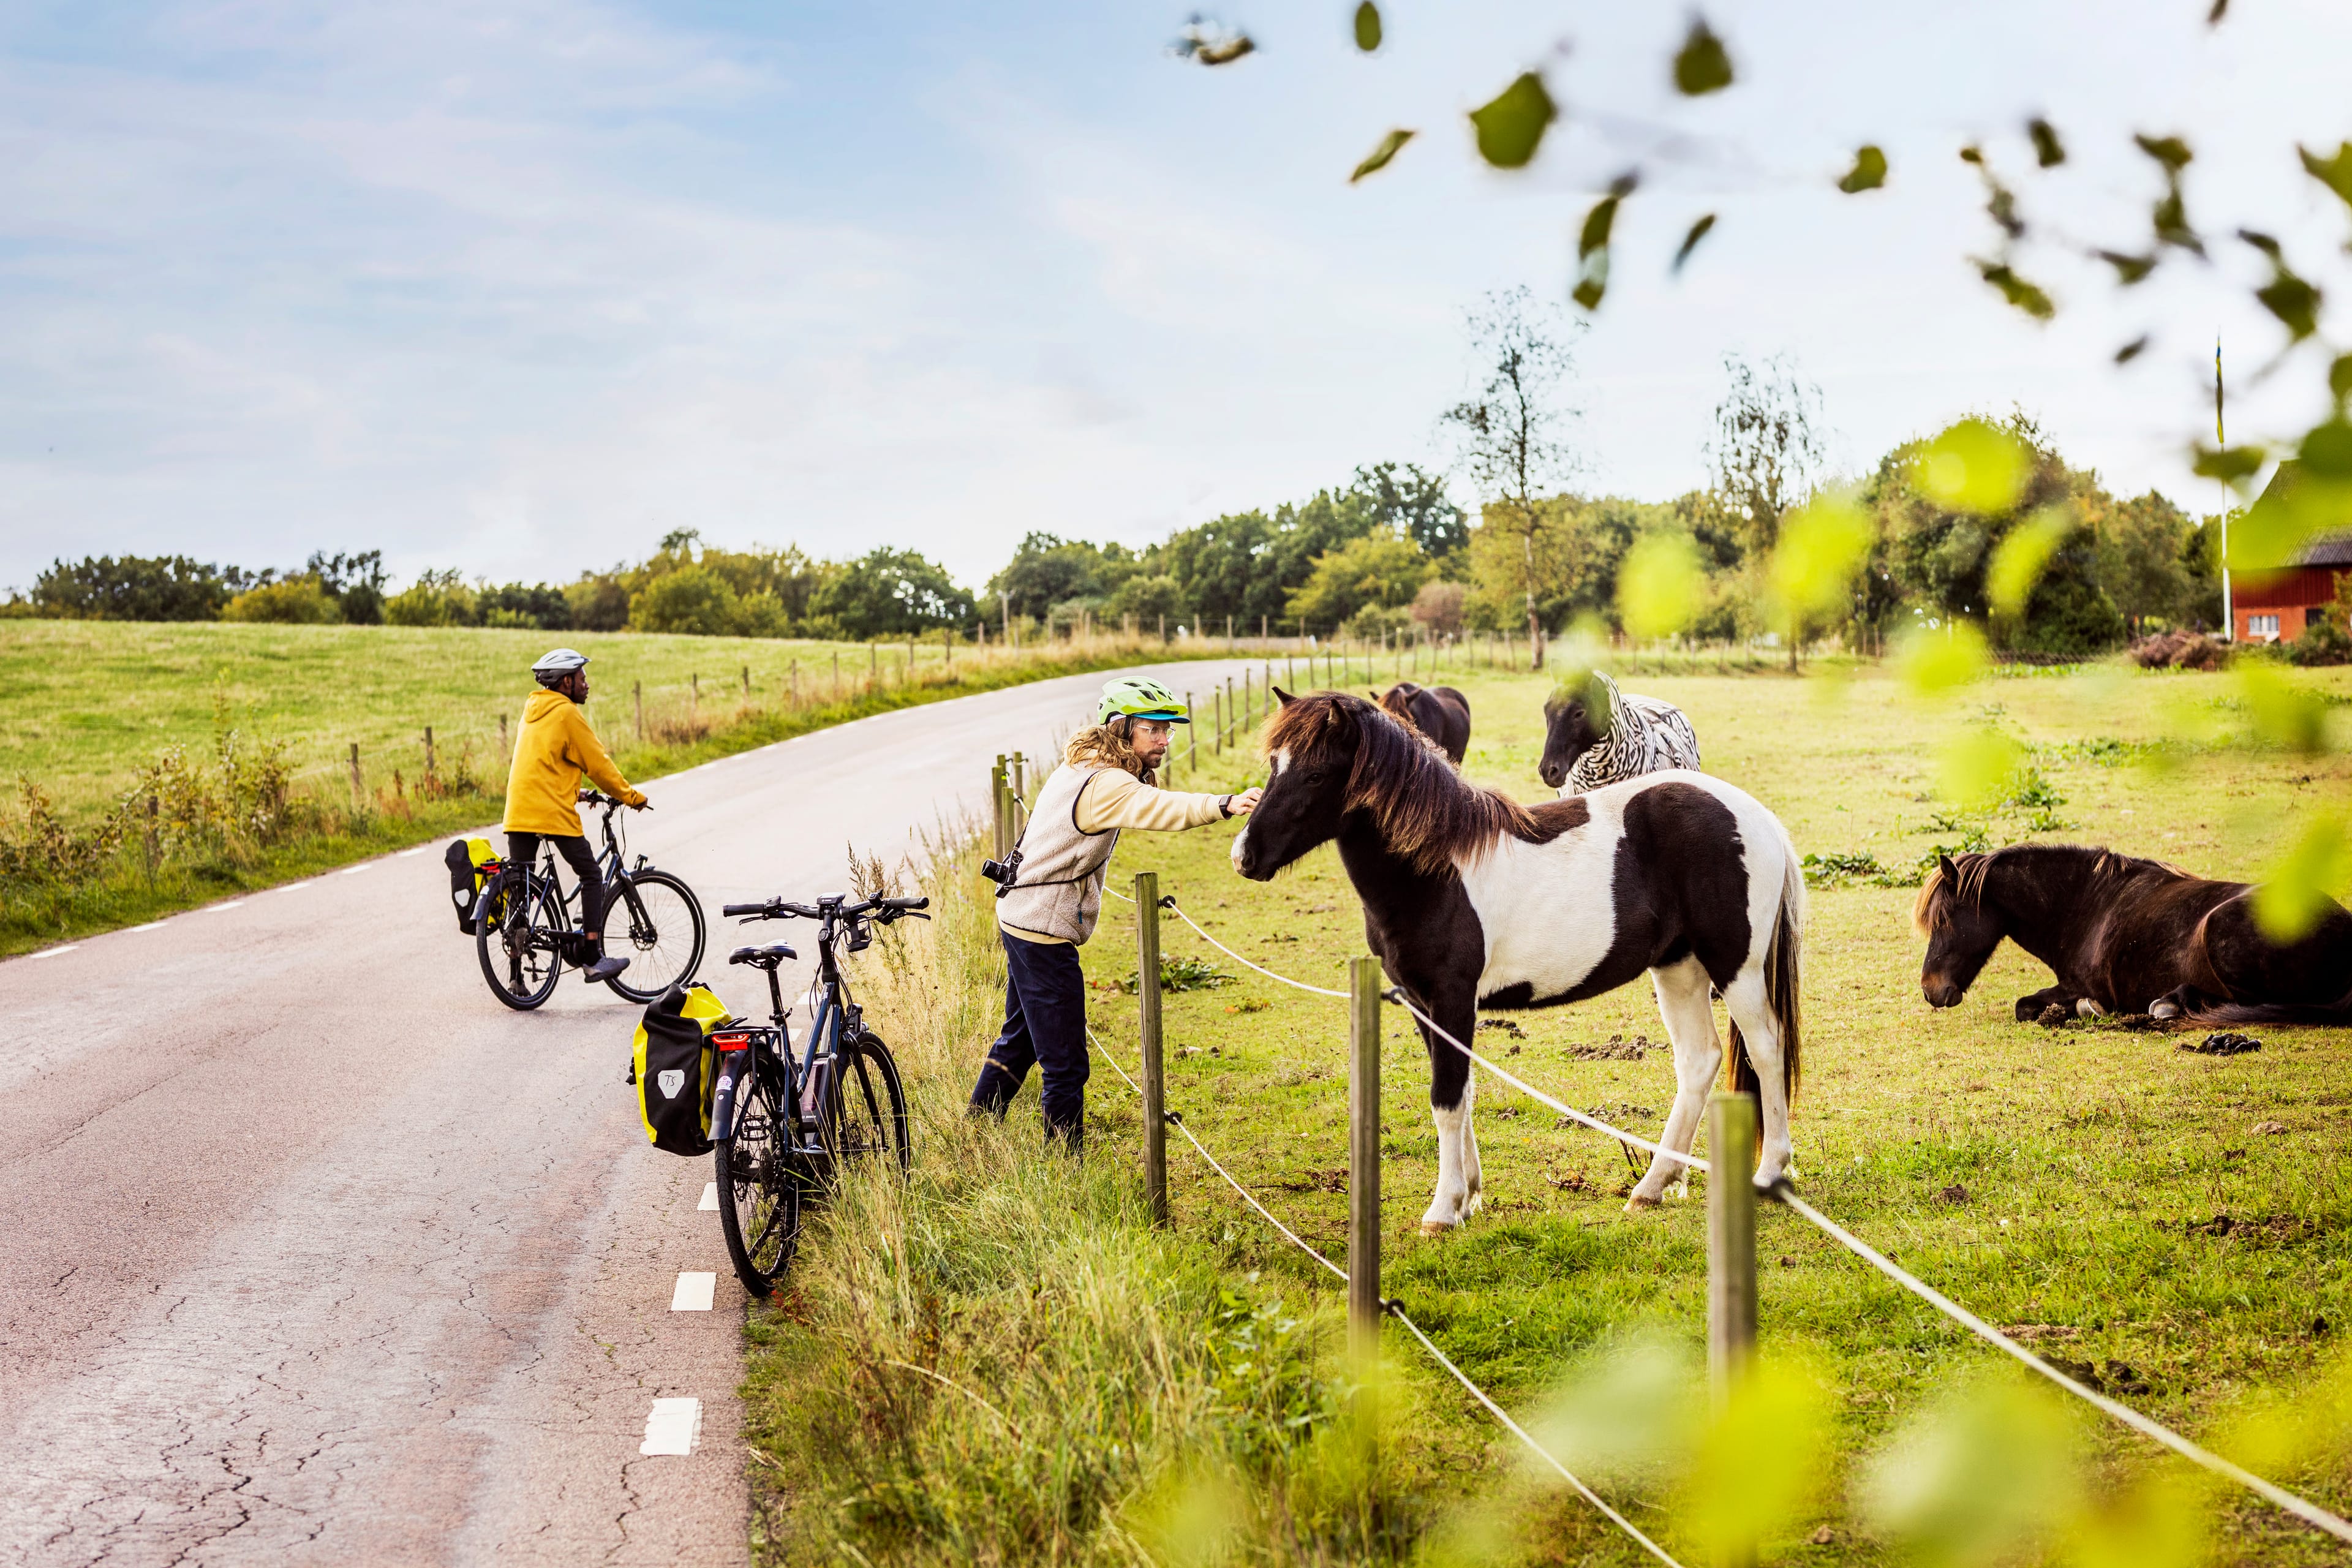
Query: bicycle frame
{"x": 822, "y": 1044}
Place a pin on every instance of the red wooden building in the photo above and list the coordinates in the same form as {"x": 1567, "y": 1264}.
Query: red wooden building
{"x": 2275, "y": 607}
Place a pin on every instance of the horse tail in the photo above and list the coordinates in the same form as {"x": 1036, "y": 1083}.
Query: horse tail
{"x": 1784, "y": 965}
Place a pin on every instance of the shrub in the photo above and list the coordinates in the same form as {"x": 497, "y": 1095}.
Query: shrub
{"x": 296, "y": 601}
{"x": 694, "y": 600}
{"x": 2323, "y": 641}
{"x": 1437, "y": 607}
{"x": 1148, "y": 599}
{"x": 434, "y": 599}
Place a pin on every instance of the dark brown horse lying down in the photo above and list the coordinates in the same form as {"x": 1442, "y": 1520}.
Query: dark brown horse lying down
{"x": 2126, "y": 936}
{"x": 1439, "y": 713}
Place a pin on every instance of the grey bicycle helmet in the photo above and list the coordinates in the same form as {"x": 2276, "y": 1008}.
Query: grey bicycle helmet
{"x": 557, "y": 663}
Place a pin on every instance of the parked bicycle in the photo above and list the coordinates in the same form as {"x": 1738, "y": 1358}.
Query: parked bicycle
{"x": 525, "y": 934}
{"x": 786, "y": 1129}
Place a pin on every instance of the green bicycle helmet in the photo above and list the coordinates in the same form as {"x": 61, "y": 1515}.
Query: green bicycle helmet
{"x": 1131, "y": 697}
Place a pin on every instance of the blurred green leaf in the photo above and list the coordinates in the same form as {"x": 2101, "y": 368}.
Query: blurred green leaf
{"x": 1622, "y": 1411}
{"x": 1698, "y": 231}
{"x": 1660, "y": 586}
{"x": 2230, "y": 464}
{"x": 2295, "y": 507}
{"x": 1824, "y": 545}
{"x": 1188, "y": 1517}
{"x": 2326, "y": 450}
{"x": 1701, "y": 65}
{"x": 1983, "y": 1479}
{"x": 1368, "y": 26}
{"x": 2131, "y": 350}
{"x": 1593, "y": 245}
{"x": 2129, "y": 269}
{"x": 1974, "y": 768}
{"x": 1391, "y": 144}
{"x": 2170, "y": 151}
{"x": 1205, "y": 40}
{"x": 2299, "y": 887}
{"x": 1973, "y": 465}
{"x": 2339, "y": 382}
{"x": 2018, "y": 560}
{"x": 2221, "y": 9}
{"x": 1935, "y": 659}
{"x": 2283, "y": 710}
{"x": 1511, "y": 125}
{"x": 2335, "y": 171}
{"x": 2048, "y": 150}
{"x": 1869, "y": 171}
{"x": 2026, "y": 296}
{"x": 2293, "y": 300}
{"x": 2170, "y": 220}
{"x": 2162, "y": 1521}
{"x": 1758, "y": 1463}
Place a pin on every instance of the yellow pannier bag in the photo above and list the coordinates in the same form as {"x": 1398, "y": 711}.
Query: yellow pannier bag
{"x": 472, "y": 862}
{"x": 672, "y": 1063}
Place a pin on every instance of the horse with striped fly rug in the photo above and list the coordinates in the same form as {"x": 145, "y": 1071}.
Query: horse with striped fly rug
{"x": 1595, "y": 734}
{"x": 1472, "y": 899}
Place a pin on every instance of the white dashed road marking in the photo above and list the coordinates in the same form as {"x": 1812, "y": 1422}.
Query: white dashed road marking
{"x": 151, "y": 925}
{"x": 672, "y": 1427}
{"x": 53, "y": 951}
{"x": 356, "y": 871}
{"x": 418, "y": 850}
{"x": 709, "y": 1204}
{"x": 216, "y": 909}
{"x": 693, "y": 1292}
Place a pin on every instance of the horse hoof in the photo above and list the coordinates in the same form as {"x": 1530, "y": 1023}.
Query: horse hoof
{"x": 1439, "y": 1226}
{"x": 1637, "y": 1203}
{"x": 2164, "y": 1010}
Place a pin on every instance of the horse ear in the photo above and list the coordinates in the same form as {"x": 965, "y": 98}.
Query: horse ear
{"x": 1946, "y": 870}
{"x": 1278, "y": 692}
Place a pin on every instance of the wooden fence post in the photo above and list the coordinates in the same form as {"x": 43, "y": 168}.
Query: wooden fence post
{"x": 1155, "y": 1083}
{"x": 1217, "y": 723}
{"x": 155, "y": 844}
{"x": 430, "y": 776}
{"x": 1730, "y": 1240}
{"x": 694, "y": 693}
{"x": 747, "y": 680}
{"x": 359, "y": 791}
{"x": 506, "y": 752}
{"x": 796, "y": 682}
{"x": 996, "y": 802}
{"x": 1364, "y": 1159}
{"x": 637, "y": 689}
{"x": 1193, "y": 746}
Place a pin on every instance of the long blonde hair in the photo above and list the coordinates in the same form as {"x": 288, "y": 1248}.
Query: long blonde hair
{"x": 1100, "y": 745}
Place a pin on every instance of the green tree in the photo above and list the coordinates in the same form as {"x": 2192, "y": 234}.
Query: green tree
{"x": 137, "y": 588}
{"x": 289, "y": 601}
{"x": 892, "y": 593}
{"x": 1154, "y": 601}
{"x": 1376, "y": 571}
{"x": 435, "y": 599}
{"x": 1400, "y": 496}
{"x": 1246, "y": 565}
{"x": 1048, "y": 570}
{"x": 599, "y": 602}
{"x": 693, "y": 599}
{"x": 2141, "y": 555}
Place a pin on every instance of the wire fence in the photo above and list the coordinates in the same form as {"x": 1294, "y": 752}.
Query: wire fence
{"x": 1782, "y": 1192}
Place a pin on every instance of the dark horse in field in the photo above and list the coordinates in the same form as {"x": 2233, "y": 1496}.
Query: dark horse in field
{"x": 2124, "y": 935}
{"x": 1471, "y": 897}
{"x": 1439, "y": 713}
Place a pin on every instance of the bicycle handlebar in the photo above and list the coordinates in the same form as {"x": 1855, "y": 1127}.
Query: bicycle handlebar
{"x": 778, "y": 909}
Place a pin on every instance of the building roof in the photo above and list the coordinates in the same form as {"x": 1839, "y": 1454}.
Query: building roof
{"x": 2333, "y": 547}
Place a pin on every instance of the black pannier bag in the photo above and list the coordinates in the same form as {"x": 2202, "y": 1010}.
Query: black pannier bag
{"x": 673, "y": 1067}
{"x": 472, "y": 863}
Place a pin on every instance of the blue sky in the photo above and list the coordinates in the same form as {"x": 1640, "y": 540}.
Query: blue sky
{"x": 518, "y": 285}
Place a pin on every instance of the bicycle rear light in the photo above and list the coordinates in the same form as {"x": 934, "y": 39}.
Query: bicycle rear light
{"x": 732, "y": 1040}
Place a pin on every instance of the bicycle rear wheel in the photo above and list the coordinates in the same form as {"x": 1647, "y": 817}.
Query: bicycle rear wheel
{"x": 517, "y": 942}
{"x": 654, "y": 921}
{"x": 866, "y": 1116}
{"x": 759, "y": 1184}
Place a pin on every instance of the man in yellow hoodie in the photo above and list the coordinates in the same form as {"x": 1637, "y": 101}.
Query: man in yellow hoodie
{"x": 554, "y": 747}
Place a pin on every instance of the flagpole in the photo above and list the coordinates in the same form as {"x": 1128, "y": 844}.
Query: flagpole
{"x": 2229, "y": 619}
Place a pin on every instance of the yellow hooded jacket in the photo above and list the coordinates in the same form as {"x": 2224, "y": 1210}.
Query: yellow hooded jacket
{"x": 555, "y": 747}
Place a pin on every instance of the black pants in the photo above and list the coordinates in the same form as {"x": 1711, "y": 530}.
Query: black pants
{"x": 523, "y": 849}
{"x": 1044, "y": 1024}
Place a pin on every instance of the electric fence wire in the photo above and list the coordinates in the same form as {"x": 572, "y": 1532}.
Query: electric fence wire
{"x": 1396, "y": 1309}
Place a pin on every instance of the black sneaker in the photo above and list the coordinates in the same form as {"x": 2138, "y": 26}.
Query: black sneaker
{"x": 603, "y": 969}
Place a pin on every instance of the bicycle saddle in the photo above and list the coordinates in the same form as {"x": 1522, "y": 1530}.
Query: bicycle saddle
{"x": 763, "y": 957}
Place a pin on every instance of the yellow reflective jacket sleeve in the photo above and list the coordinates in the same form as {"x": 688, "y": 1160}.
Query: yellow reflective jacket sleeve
{"x": 554, "y": 749}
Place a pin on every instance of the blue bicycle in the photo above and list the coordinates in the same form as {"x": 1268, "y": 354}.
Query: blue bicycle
{"x": 784, "y": 1129}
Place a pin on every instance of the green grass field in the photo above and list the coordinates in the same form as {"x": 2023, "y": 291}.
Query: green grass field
{"x": 93, "y": 702}
{"x": 2095, "y": 1165}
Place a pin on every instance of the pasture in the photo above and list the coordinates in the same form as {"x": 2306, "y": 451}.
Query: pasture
{"x": 2174, "y": 1221}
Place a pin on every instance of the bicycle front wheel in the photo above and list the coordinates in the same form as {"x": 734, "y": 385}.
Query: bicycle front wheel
{"x": 760, "y": 1185}
{"x": 654, "y": 921}
{"x": 517, "y": 941}
{"x": 867, "y": 1118}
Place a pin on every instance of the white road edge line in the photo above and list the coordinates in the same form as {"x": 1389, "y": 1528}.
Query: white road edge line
{"x": 53, "y": 951}
{"x": 418, "y": 850}
{"x": 151, "y": 925}
{"x": 216, "y": 909}
{"x": 672, "y": 1427}
{"x": 709, "y": 1204}
{"x": 693, "y": 1292}
{"x": 362, "y": 866}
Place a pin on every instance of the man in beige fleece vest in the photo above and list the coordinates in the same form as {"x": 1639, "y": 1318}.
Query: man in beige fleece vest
{"x": 1106, "y": 783}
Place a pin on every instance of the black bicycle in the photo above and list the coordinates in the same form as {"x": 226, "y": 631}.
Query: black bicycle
{"x": 525, "y": 935}
{"x": 786, "y": 1129}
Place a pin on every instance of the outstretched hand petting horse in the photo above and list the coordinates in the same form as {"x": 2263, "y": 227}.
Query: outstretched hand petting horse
{"x": 1471, "y": 897}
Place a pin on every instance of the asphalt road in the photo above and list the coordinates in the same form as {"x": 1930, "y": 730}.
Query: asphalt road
{"x": 315, "y": 1253}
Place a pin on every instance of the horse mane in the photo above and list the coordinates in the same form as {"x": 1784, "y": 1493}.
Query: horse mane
{"x": 1933, "y": 908}
{"x": 1397, "y": 701}
{"x": 1429, "y": 814}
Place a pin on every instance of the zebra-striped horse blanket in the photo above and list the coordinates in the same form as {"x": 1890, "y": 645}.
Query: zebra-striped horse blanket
{"x": 1642, "y": 735}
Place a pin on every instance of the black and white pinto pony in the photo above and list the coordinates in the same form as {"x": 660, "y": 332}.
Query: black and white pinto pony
{"x": 1596, "y": 735}
{"x": 1472, "y": 899}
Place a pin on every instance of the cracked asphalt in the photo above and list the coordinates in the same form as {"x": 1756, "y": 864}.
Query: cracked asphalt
{"x": 316, "y": 1254}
